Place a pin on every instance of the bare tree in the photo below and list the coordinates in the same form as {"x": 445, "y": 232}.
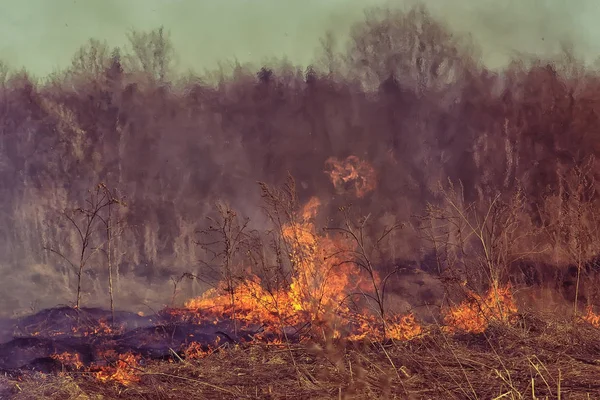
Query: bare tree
{"x": 412, "y": 46}
{"x": 84, "y": 220}
{"x": 152, "y": 53}
{"x": 91, "y": 60}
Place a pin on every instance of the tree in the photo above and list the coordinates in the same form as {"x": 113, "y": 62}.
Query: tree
{"x": 85, "y": 220}
{"x": 412, "y": 46}
{"x": 152, "y": 53}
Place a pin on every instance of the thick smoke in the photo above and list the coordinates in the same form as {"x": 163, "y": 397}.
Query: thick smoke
{"x": 405, "y": 93}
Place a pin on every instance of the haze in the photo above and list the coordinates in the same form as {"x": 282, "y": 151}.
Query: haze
{"x": 43, "y": 35}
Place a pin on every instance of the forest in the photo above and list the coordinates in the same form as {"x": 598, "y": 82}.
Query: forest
{"x": 510, "y": 154}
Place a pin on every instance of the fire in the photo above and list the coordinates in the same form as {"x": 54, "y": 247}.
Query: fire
{"x": 401, "y": 328}
{"x": 591, "y": 317}
{"x": 351, "y": 174}
{"x": 102, "y": 328}
{"x": 125, "y": 369}
{"x": 68, "y": 359}
{"x": 194, "y": 350}
{"x": 323, "y": 278}
{"x": 404, "y": 328}
{"x": 475, "y": 314}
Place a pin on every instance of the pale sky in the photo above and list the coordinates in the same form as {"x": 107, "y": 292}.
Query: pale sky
{"x": 42, "y": 35}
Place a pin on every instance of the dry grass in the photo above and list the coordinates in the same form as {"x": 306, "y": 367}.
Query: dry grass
{"x": 539, "y": 359}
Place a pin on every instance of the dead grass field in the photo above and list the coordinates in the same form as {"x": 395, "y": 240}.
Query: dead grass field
{"x": 539, "y": 358}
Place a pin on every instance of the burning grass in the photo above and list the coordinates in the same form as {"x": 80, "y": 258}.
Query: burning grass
{"x": 485, "y": 349}
{"x": 534, "y": 358}
{"x": 477, "y": 312}
{"x": 323, "y": 282}
{"x": 323, "y": 333}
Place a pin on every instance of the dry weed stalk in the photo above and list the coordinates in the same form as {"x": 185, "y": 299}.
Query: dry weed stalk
{"x": 366, "y": 254}
{"x": 570, "y": 221}
{"x": 226, "y": 238}
{"x": 114, "y": 228}
{"x": 476, "y": 243}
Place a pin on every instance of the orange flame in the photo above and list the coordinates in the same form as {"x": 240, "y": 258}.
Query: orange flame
{"x": 591, "y": 317}
{"x": 68, "y": 359}
{"x": 351, "y": 174}
{"x": 102, "y": 328}
{"x": 323, "y": 278}
{"x": 475, "y": 314}
{"x": 194, "y": 350}
{"x": 124, "y": 371}
{"x": 404, "y": 328}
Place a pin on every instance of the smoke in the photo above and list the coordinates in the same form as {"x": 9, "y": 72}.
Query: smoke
{"x": 401, "y": 91}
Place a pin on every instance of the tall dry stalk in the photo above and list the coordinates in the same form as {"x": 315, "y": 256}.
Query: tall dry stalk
{"x": 571, "y": 221}
{"x": 480, "y": 240}
{"x": 366, "y": 254}
{"x": 113, "y": 229}
{"x": 225, "y": 238}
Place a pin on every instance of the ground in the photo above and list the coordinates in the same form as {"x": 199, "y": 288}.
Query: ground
{"x": 539, "y": 357}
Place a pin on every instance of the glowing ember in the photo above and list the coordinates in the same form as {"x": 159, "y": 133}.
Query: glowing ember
{"x": 475, "y": 314}
{"x": 351, "y": 174}
{"x": 102, "y": 328}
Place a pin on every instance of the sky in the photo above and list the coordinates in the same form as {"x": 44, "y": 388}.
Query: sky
{"x": 43, "y": 35}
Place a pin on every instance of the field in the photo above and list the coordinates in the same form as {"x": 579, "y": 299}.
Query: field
{"x": 536, "y": 359}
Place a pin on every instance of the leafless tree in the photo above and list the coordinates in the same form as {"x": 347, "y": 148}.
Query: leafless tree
{"x": 85, "y": 220}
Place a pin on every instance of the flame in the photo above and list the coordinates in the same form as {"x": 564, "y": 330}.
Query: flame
{"x": 591, "y": 317}
{"x": 397, "y": 327}
{"x": 475, "y": 314}
{"x": 404, "y": 328}
{"x": 125, "y": 369}
{"x": 323, "y": 278}
{"x": 68, "y": 359}
{"x": 351, "y": 174}
{"x": 194, "y": 350}
{"x": 102, "y": 328}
